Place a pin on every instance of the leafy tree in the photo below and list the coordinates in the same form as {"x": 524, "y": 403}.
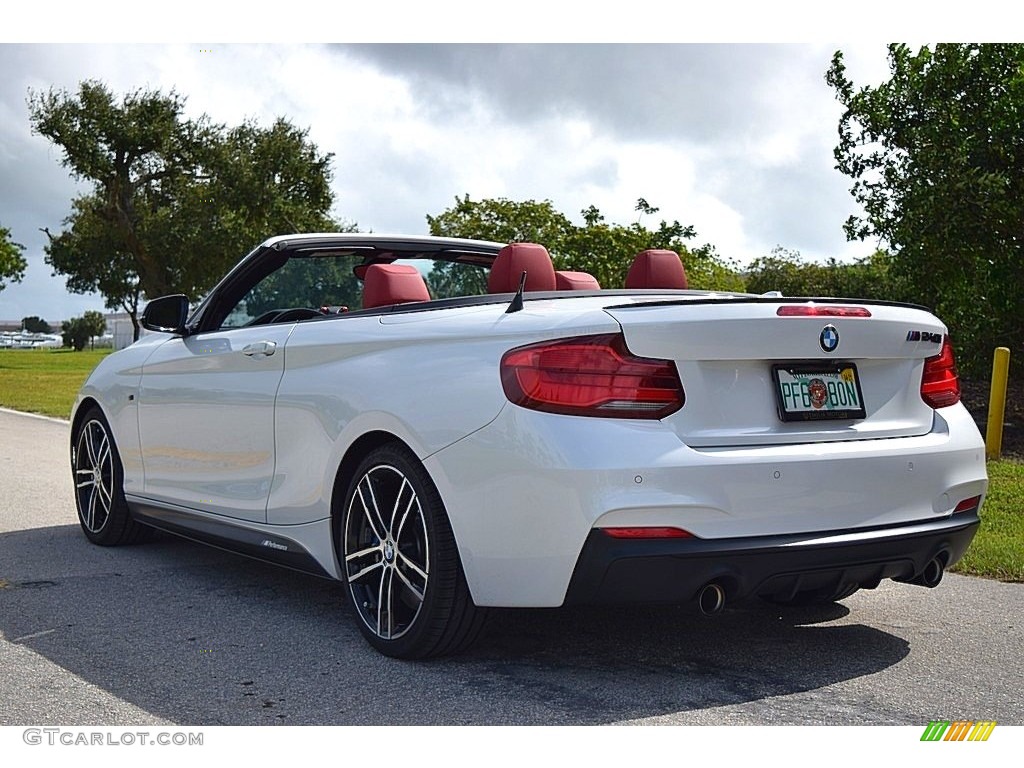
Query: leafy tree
{"x": 35, "y": 324}
{"x": 79, "y": 331}
{"x": 936, "y": 154}
{"x": 174, "y": 201}
{"x": 75, "y": 333}
{"x": 12, "y": 263}
{"x": 95, "y": 323}
{"x": 785, "y": 271}
{"x": 503, "y": 221}
{"x": 602, "y": 249}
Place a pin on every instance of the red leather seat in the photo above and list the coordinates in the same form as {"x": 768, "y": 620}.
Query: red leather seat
{"x": 576, "y": 281}
{"x": 388, "y": 284}
{"x": 513, "y": 260}
{"x": 657, "y": 269}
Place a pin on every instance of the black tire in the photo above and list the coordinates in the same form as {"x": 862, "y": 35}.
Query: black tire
{"x": 400, "y": 561}
{"x": 814, "y": 596}
{"x": 99, "y": 484}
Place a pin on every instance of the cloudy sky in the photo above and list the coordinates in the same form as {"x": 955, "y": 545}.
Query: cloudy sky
{"x": 735, "y": 139}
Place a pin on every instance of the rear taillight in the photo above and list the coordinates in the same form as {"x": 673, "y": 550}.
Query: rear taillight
{"x": 940, "y": 384}
{"x": 591, "y": 376}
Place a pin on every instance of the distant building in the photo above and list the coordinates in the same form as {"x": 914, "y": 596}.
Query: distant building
{"x": 119, "y": 329}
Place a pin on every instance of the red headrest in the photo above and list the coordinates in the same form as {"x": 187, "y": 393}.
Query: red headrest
{"x": 576, "y": 281}
{"x": 513, "y": 260}
{"x": 387, "y": 284}
{"x": 656, "y": 269}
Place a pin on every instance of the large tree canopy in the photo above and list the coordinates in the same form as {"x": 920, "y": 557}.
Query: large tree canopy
{"x": 602, "y": 249}
{"x": 174, "y": 201}
{"x": 936, "y": 154}
{"x": 12, "y": 263}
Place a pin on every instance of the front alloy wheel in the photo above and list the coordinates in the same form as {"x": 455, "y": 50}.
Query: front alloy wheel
{"x": 99, "y": 491}
{"x": 94, "y": 476}
{"x": 400, "y": 560}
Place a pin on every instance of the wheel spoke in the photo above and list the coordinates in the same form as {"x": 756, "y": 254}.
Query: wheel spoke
{"x": 84, "y": 483}
{"x": 405, "y": 515}
{"x": 104, "y": 496}
{"x": 92, "y": 509}
{"x": 362, "y": 553}
{"x": 90, "y": 449}
{"x": 369, "y": 515}
{"x": 411, "y": 587}
{"x": 394, "y": 510}
{"x": 422, "y": 574}
{"x": 389, "y": 600}
{"x": 364, "y": 571}
{"x": 380, "y": 603}
{"x": 103, "y": 452}
{"x": 376, "y": 508}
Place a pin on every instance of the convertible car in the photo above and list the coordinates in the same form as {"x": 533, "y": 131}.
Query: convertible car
{"x": 449, "y": 425}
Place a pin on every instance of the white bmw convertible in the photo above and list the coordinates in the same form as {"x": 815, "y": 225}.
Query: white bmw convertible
{"x": 446, "y": 425}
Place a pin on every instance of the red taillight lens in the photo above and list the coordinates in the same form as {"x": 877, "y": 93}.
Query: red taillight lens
{"x": 648, "y": 532}
{"x": 815, "y": 310}
{"x": 591, "y": 376}
{"x": 940, "y": 384}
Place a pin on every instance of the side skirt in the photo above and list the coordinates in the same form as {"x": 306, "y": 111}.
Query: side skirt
{"x": 268, "y": 547}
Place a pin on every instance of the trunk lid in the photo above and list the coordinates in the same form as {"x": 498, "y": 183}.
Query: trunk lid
{"x": 753, "y": 377}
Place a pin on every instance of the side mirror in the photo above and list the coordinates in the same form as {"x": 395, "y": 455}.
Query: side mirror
{"x": 166, "y": 314}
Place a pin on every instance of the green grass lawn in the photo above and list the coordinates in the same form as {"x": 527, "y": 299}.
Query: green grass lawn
{"x": 44, "y": 380}
{"x": 998, "y": 549}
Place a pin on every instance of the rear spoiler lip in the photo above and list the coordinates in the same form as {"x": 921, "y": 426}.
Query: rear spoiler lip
{"x": 768, "y": 300}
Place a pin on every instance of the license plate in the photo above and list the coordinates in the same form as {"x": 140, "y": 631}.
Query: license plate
{"x": 807, "y": 392}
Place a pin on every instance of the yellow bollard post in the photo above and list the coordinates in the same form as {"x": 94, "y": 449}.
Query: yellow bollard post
{"x": 997, "y": 403}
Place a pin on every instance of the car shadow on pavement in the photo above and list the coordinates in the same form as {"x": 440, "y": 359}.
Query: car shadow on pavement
{"x": 202, "y": 637}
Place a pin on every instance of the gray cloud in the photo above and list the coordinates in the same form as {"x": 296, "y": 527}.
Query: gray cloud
{"x": 696, "y": 92}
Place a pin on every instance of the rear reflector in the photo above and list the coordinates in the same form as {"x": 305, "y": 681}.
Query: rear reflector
{"x": 940, "y": 384}
{"x": 648, "y": 533}
{"x": 967, "y": 505}
{"x": 815, "y": 310}
{"x": 591, "y": 376}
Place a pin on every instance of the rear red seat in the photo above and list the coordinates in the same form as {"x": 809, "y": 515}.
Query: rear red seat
{"x": 513, "y": 260}
{"x": 657, "y": 269}
{"x": 387, "y": 284}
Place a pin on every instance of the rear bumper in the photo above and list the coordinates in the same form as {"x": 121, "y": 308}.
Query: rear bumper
{"x": 525, "y": 493}
{"x": 613, "y": 570}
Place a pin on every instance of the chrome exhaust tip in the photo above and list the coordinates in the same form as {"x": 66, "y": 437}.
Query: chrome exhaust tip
{"x": 711, "y": 599}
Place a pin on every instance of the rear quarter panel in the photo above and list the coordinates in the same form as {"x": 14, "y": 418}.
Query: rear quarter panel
{"x": 428, "y": 378}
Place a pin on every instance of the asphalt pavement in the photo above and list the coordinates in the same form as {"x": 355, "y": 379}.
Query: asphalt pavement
{"x": 171, "y": 632}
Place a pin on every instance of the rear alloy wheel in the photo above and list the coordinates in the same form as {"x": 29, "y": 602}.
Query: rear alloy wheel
{"x": 400, "y": 560}
{"x": 99, "y": 491}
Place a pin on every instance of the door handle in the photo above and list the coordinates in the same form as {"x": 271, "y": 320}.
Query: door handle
{"x": 260, "y": 349}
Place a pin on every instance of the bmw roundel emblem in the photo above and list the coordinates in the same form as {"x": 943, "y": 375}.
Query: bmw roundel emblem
{"x": 829, "y": 338}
